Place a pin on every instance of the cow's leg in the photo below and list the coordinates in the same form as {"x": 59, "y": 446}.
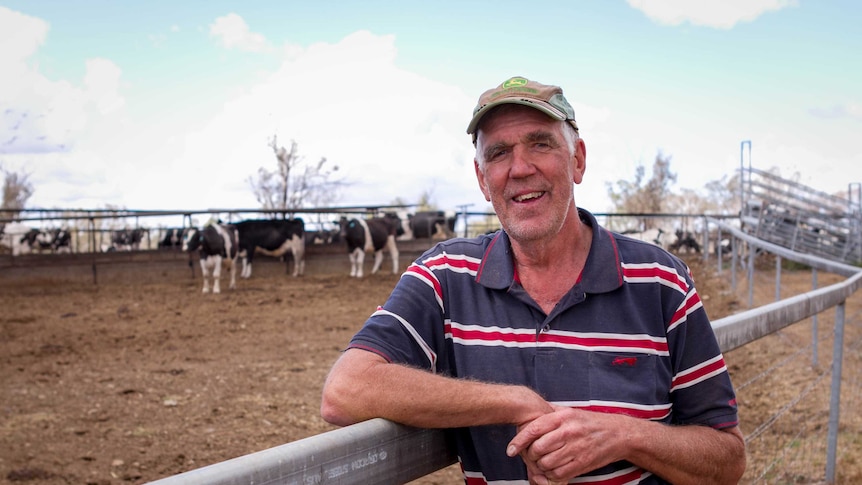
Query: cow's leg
{"x": 299, "y": 269}
{"x": 232, "y": 264}
{"x": 352, "y": 258}
{"x": 393, "y": 251}
{"x": 357, "y": 262}
{"x": 216, "y": 273}
{"x": 206, "y": 274}
{"x": 299, "y": 260}
{"x": 246, "y": 264}
{"x": 378, "y": 260}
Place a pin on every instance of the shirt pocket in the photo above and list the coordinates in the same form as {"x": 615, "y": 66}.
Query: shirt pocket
{"x": 599, "y": 379}
{"x": 626, "y": 378}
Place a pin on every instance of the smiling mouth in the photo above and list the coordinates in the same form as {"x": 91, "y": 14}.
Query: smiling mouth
{"x": 528, "y": 197}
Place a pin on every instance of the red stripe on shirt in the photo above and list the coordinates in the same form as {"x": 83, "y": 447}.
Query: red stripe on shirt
{"x": 425, "y": 274}
{"x": 699, "y": 373}
{"x": 657, "y": 272}
{"x": 604, "y": 342}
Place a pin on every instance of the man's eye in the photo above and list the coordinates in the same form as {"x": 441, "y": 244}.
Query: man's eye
{"x": 497, "y": 154}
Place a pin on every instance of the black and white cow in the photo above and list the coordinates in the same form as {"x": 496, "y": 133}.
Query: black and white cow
{"x": 37, "y": 240}
{"x": 51, "y": 240}
{"x": 173, "y": 238}
{"x": 371, "y": 235}
{"x": 685, "y": 240}
{"x": 272, "y": 237}
{"x": 127, "y": 239}
{"x": 432, "y": 224}
{"x": 62, "y": 240}
{"x": 322, "y": 236}
{"x": 218, "y": 245}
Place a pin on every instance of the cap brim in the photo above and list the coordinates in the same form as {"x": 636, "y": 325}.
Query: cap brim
{"x": 532, "y": 103}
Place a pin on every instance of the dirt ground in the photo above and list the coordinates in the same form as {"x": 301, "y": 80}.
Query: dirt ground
{"x": 140, "y": 376}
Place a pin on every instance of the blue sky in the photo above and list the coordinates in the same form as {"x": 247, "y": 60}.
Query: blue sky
{"x": 170, "y": 105}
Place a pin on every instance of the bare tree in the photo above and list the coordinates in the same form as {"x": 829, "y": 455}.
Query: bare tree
{"x": 295, "y": 184}
{"x": 644, "y": 196}
{"x": 17, "y": 189}
{"x": 722, "y": 195}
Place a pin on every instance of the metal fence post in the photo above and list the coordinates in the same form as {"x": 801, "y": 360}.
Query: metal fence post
{"x": 835, "y": 395}
{"x": 814, "y": 339}
{"x": 777, "y": 278}
{"x": 734, "y": 251}
{"x": 751, "y": 252}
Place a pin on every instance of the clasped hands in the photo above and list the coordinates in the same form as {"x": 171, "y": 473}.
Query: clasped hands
{"x": 564, "y": 444}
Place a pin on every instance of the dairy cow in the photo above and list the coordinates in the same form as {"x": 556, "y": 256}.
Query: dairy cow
{"x": 272, "y": 237}
{"x": 432, "y": 224}
{"x": 37, "y": 240}
{"x": 61, "y": 240}
{"x": 218, "y": 246}
{"x": 127, "y": 239}
{"x": 685, "y": 240}
{"x": 51, "y": 240}
{"x": 373, "y": 236}
{"x": 173, "y": 238}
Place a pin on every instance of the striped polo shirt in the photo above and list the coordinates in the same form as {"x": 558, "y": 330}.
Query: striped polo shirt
{"x": 631, "y": 337}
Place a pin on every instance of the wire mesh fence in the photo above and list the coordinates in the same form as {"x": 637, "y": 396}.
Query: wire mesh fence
{"x": 784, "y": 406}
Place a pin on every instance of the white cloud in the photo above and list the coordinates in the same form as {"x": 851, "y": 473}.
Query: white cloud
{"x": 234, "y": 33}
{"x": 708, "y": 13}
{"x": 848, "y": 110}
{"x": 22, "y": 36}
{"x": 40, "y": 115}
{"x": 102, "y": 85}
{"x": 391, "y": 132}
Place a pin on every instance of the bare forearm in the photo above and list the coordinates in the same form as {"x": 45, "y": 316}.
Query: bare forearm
{"x": 360, "y": 388}
{"x": 688, "y": 454}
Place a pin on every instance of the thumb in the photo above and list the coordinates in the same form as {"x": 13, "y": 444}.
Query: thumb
{"x": 525, "y": 437}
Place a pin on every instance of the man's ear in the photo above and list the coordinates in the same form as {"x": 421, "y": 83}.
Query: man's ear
{"x": 580, "y": 161}
{"x": 480, "y": 177}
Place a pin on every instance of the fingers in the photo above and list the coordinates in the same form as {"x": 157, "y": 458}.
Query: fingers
{"x": 525, "y": 437}
{"x": 542, "y": 444}
{"x": 540, "y": 452}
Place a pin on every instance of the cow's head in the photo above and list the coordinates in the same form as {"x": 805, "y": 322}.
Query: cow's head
{"x": 342, "y": 226}
{"x": 395, "y": 221}
{"x": 191, "y": 239}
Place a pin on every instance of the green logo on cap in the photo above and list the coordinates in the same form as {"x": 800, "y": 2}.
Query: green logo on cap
{"x": 515, "y": 82}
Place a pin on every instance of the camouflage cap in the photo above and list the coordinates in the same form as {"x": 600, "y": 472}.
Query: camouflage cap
{"x": 520, "y": 90}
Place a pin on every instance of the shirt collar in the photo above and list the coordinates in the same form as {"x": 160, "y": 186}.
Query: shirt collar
{"x": 602, "y": 271}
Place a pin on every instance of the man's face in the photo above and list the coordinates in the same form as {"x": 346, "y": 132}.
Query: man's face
{"x": 526, "y": 170}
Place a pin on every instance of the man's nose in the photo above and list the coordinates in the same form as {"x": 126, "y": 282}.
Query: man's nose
{"x": 522, "y": 163}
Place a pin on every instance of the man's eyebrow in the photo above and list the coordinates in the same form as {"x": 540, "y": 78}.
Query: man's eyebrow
{"x": 545, "y": 136}
{"x": 494, "y": 148}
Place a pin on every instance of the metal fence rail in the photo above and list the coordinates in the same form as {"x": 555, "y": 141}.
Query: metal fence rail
{"x": 379, "y": 451}
{"x": 375, "y": 451}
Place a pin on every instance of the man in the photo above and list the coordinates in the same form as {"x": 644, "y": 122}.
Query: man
{"x": 553, "y": 348}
